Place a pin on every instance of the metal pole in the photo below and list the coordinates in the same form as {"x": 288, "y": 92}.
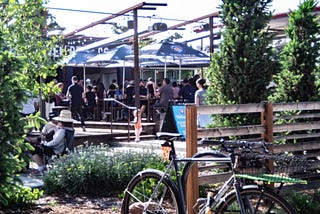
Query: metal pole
{"x": 123, "y": 76}
{"x": 84, "y": 78}
{"x": 136, "y": 58}
{"x": 165, "y": 67}
{"x": 211, "y": 37}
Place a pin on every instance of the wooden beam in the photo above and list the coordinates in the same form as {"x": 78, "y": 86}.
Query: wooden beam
{"x": 296, "y": 106}
{"x": 192, "y": 191}
{"x": 313, "y": 125}
{"x": 230, "y": 131}
{"x": 231, "y": 109}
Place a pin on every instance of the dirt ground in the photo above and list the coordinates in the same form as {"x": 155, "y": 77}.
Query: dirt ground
{"x": 69, "y": 204}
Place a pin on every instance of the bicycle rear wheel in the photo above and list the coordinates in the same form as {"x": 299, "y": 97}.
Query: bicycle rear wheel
{"x": 146, "y": 193}
{"x": 256, "y": 201}
{"x": 210, "y": 167}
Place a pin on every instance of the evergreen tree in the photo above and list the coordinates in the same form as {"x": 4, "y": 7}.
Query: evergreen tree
{"x": 243, "y": 68}
{"x": 24, "y": 59}
{"x": 297, "y": 79}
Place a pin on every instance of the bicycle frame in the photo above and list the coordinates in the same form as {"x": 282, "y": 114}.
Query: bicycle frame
{"x": 225, "y": 188}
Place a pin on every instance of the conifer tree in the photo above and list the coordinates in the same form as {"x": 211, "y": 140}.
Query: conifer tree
{"x": 297, "y": 79}
{"x": 243, "y": 68}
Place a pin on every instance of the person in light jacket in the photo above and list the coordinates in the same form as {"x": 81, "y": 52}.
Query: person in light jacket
{"x": 55, "y": 146}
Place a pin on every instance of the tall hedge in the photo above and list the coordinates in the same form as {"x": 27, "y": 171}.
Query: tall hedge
{"x": 243, "y": 68}
{"x": 24, "y": 59}
{"x": 299, "y": 74}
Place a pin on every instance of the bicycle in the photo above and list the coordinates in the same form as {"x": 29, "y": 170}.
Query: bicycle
{"x": 154, "y": 191}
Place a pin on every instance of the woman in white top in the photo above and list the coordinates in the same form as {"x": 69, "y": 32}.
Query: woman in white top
{"x": 200, "y": 95}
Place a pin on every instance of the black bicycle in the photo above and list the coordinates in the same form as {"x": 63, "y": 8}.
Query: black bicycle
{"x": 154, "y": 191}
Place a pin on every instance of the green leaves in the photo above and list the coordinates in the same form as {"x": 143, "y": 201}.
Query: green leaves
{"x": 24, "y": 60}
{"x": 96, "y": 170}
{"x": 297, "y": 80}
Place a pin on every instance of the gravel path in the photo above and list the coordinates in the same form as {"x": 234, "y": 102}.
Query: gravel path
{"x": 70, "y": 204}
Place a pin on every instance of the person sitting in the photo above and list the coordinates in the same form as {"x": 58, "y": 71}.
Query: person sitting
{"x": 60, "y": 96}
{"x": 57, "y": 145}
{"x": 50, "y": 128}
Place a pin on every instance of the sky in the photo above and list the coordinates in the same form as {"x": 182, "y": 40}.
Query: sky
{"x": 180, "y": 10}
{"x": 175, "y": 9}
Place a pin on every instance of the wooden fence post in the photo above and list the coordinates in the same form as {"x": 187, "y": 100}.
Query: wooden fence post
{"x": 192, "y": 192}
{"x": 267, "y": 121}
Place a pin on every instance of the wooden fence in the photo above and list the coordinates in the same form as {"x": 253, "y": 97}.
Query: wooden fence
{"x": 295, "y": 125}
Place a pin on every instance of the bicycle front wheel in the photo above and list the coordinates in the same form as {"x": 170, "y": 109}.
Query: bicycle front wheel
{"x": 256, "y": 201}
{"x": 151, "y": 192}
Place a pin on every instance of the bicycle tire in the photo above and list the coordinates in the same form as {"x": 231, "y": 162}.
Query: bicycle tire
{"x": 255, "y": 201}
{"x": 142, "y": 186}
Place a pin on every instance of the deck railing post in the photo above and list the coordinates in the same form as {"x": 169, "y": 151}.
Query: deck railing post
{"x": 267, "y": 122}
{"x": 192, "y": 192}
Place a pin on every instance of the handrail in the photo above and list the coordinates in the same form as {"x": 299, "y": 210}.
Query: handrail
{"x": 123, "y": 105}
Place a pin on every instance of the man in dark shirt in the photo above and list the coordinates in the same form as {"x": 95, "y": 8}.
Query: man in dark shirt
{"x": 187, "y": 92}
{"x": 76, "y": 95}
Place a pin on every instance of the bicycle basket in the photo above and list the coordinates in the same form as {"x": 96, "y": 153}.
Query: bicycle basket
{"x": 271, "y": 168}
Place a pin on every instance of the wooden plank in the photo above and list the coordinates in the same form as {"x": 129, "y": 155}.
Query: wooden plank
{"x": 213, "y": 179}
{"x": 297, "y": 136}
{"x": 230, "y": 131}
{"x": 296, "y": 106}
{"x": 303, "y": 146}
{"x": 300, "y": 116}
{"x": 231, "y": 109}
{"x": 314, "y": 125}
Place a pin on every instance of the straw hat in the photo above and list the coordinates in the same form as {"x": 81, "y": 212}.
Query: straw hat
{"x": 65, "y": 116}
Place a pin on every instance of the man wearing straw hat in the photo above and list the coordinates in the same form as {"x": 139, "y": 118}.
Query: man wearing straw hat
{"x": 57, "y": 145}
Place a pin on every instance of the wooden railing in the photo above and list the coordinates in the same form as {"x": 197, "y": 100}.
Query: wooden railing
{"x": 300, "y": 133}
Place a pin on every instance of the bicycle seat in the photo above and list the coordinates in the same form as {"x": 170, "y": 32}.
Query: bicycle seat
{"x": 165, "y": 135}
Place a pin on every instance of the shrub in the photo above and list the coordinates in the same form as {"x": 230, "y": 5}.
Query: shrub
{"x": 17, "y": 195}
{"x": 305, "y": 202}
{"x": 96, "y": 170}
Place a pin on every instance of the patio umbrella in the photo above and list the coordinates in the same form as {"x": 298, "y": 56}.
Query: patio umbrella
{"x": 80, "y": 59}
{"x": 112, "y": 55}
{"x": 115, "y": 55}
{"x": 174, "y": 50}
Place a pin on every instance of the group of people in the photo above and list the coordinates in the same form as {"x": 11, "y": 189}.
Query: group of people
{"x": 187, "y": 92}
{"x": 192, "y": 90}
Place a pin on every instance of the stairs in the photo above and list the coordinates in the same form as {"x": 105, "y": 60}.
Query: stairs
{"x": 108, "y": 132}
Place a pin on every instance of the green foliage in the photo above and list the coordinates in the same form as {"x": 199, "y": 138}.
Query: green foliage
{"x": 24, "y": 59}
{"x": 242, "y": 70}
{"x": 96, "y": 170}
{"x": 33, "y": 121}
{"x": 19, "y": 195}
{"x": 297, "y": 80}
{"x": 305, "y": 202}
{"x": 174, "y": 36}
{"x": 119, "y": 29}
{"x": 146, "y": 41}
